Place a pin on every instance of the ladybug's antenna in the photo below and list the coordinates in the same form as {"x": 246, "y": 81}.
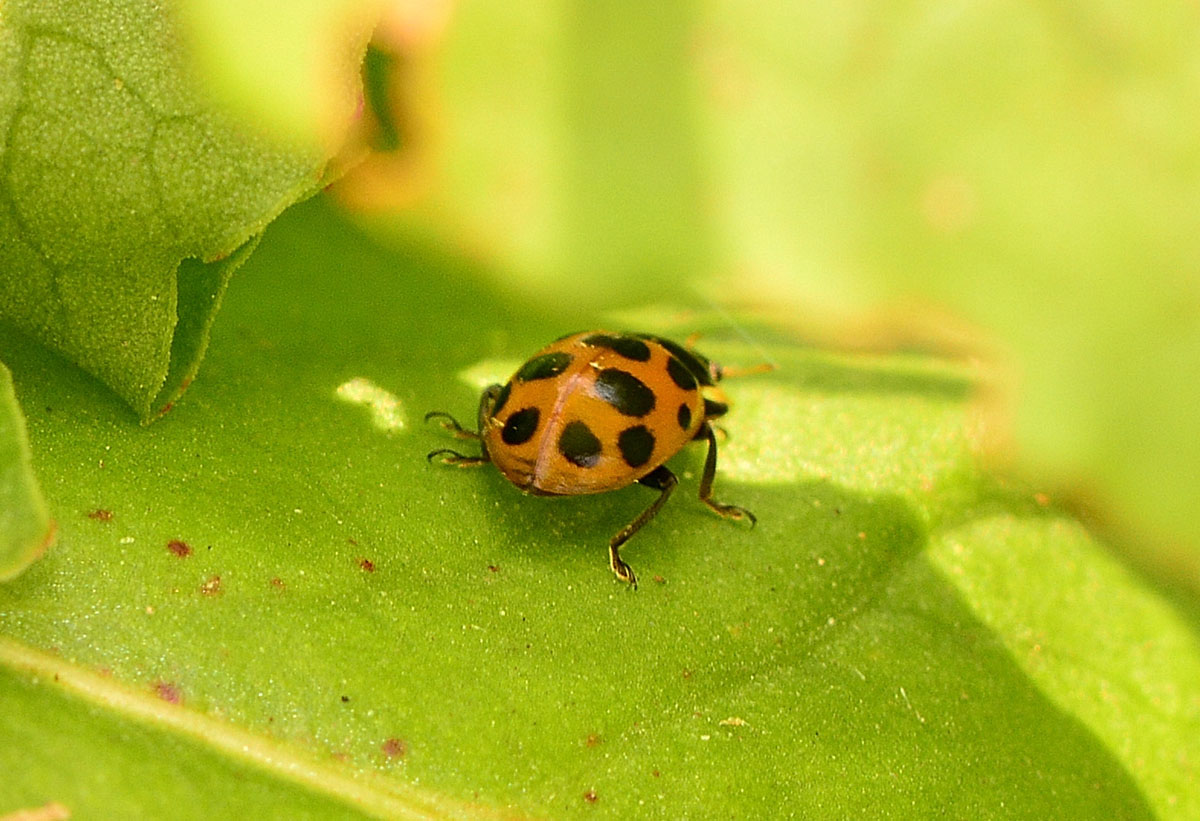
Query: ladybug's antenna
{"x": 768, "y": 364}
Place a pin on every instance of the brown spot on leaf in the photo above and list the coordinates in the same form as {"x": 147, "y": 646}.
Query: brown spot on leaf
{"x": 168, "y": 692}
{"x": 212, "y": 587}
{"x": 366, "y": 564}
{"x": 278, "y": 583}
{"x": 493, "y": 568}
{"x": 394, "y": 748}
{"x": 180, "y": 548}
{"x": 590, "y": 796}
{"x": 659, "y": 579}
{"x": 101, "y": 515}
{"x": 593, "y": 740}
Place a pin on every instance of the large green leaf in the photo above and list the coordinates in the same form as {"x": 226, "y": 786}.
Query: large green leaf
{"x": 126, "y": 200}
{"x": 288, "y": 602}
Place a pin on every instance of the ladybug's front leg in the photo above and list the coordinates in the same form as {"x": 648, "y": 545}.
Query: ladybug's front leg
{"x": 452, "y": 457}
{"x": 451, "y": 424}
{"x": 662, "y": 479}
{"x": 706, "y": 481}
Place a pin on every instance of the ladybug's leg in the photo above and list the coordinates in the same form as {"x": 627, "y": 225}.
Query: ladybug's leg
{"x": 451, "y": 424}
{"x": 706, "y": 481}
{"x": 452, "y": 457}
{"x": 661, "y": 479}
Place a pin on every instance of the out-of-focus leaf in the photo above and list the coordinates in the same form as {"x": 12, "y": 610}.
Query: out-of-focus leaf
{"x": 113, "y": 171}
{"x": 25, "y": 525}
{"x": 292, "y": 68}
{"x": 1032, "y": 172}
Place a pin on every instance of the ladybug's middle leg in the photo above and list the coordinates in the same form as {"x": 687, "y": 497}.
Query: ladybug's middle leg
{"x": 661, "y": 479}
{"x": 706, "y": 481}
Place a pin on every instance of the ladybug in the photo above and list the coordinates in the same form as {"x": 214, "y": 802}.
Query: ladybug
{"x": 597, "y": 411}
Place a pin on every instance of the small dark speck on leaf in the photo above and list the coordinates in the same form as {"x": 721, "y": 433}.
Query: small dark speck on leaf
{"x": 278, "y": 583}
{"x": 660, "y": 580}
{"x": 687, "y": 673}
{"x": 168, "y": 692}
{"x": 352, "y": 541}
{"x": 493, "y": 568}
{"x": 212, "y": 587}
{"x": 345, "y": 699}
{"x": 394, "y": 748}
{"x": 590, "y": 796}
{"x": 656, "y": 774}
{"x": 101, "y": 515}
{"x": 593, "y": 740}
{"x": 180, "y": 548}
{"x": 165, "y": 409}
{"x": 367, "y": 565}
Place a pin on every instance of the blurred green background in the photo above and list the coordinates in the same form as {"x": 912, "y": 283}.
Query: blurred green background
{"x": 1018, "y": 185}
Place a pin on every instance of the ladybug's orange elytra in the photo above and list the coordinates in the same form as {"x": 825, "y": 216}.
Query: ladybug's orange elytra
{"x": 597, "y": 411}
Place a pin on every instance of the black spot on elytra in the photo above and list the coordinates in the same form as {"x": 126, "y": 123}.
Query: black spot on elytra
{"x": 501, "y": 398}
{"x": 637, "y": 445}
{"x": 544, "y": 366}
{"x": 680, "y": 375}
{"x": 685, "y": 416}
{"x": 693, "y": 362}
{"x": 521, "y": 426}
{"x": 579, "y": 445}
{"x": 625, "y": 392}
{"x": 627, "y": 346}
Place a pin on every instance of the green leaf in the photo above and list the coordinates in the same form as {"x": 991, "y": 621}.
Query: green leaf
{"x": 114, "y": 172}
{"x": 25, "y": 526}
{"x": 284, "y": 573}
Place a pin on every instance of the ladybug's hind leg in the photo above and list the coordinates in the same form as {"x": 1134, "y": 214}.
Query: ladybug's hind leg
{"x": 660, "y": 479}
{"x": 706, "y": 481}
